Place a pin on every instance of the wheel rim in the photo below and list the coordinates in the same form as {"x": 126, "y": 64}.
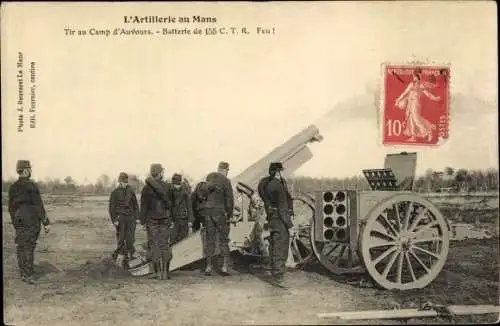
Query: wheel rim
{"x": 338, "y": 257}
{"x": 300, "y": 251}
{"x": 404, "y": 243}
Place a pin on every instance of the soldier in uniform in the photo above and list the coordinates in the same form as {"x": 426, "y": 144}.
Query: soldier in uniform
{"x": 156, "y": 214}
{"x": 217, "y": 210}
{"x": 279, "y": 210}
{"x": 124, "y": 211}
{"x": 198, "y": 220}
{"x": 183, "y": 212}
{"x": 27, "y": 212}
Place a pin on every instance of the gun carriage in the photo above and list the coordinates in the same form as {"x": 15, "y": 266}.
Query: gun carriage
{"x": 399, "y": 238}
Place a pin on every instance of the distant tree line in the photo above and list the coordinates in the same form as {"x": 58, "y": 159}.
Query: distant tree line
{"x": 451, "y": 180}
{"x": 103, "y": 185}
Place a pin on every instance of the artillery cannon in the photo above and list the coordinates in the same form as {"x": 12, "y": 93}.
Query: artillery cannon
{"x": 293, "y": 154}
{"x": 399, "y": 238}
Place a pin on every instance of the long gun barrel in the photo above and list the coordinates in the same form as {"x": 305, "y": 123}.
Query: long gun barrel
{"x": 293, "y": 154}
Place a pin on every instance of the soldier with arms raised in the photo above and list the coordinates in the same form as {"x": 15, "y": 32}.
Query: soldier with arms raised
{"x": 124, "y": 211}
{"x": 279, "y": 210}
{"x": 27, "y": 213}
{"x": 156, "y": 214}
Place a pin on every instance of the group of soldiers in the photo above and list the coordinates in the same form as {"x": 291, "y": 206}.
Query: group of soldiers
{"x": 167, "y": 211}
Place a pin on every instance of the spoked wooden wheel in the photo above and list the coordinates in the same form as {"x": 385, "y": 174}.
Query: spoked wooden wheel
{"x": 338, "y": 257}
{"x": 404, "y": 243}
{"x": 300, "y": 251}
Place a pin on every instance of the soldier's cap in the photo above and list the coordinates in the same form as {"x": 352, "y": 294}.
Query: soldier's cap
{"x": 123, "y": 177}
{"x": 177, "y": 179}
{"x": 276, "y": 166}
{"x": 223, "y": 166}
{"x": 156, "y": 168}
{"x": 23, "y": 164}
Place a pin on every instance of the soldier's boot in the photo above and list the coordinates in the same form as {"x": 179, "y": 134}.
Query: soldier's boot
{"x": 28, "y": 279}
{"x": 208, "y": 268}
{"x": 225, "y": 266}
{"x": 164, "y": 265}
{"x": 21, "y": 261}
{"x": 120, "y": 260}
{"x": 162, "y": 269}
{"x": 166, "y": 271}
{"x": 27, "y": 259}
{"x": 156, "y": 271}
{"x": 279, "y": 278}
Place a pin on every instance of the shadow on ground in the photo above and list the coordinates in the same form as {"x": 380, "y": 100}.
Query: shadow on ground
{"x": 100, "y": 270}
{"x": 44, "y": 268}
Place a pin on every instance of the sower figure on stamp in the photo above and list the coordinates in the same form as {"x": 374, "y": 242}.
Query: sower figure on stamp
{"x": 278, "y": 205}
{"x": 217, "y": 210}
{"x": 124, "y": 211}
{"x": 411, "y": 101}
{"x": 27, "y": 212}
{"x": 183, "y": 213}
{"x": 156, "y": 214}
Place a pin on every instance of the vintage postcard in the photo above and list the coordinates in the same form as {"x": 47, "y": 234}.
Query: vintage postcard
{"x": 237, "y": 163}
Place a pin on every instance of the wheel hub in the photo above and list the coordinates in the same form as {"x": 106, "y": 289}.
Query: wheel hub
{"x": 404, "y": 241}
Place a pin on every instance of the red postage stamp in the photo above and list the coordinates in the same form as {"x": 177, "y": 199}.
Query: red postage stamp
{"x": 415, "y": 105}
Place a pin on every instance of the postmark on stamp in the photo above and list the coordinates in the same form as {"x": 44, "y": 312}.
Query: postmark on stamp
{"x": 415, "y": 104}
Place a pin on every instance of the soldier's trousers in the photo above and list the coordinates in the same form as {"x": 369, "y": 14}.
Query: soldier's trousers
{"x": 125, "y": 235}
{"x": 181, "y": 230}
{"x": 203, "y": 235}
{"x": 159, "y": 233}
{"x": 217, "y": 229}
{"x": 27, "y": 233}
{"x": 278, "y": 247}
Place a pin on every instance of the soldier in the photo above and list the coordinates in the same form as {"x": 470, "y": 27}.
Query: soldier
{"x": 26, "y": 211}
{"x": 183, "y": 212}
{"x": 124, "y": 211}
{"x": 279, "y": 210}
{"x": 195, "y": 204}
{"x": 156, "y": 214}
{"x": 217, "y": 210}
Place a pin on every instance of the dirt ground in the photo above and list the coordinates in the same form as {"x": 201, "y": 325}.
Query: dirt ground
{"x": 78, "y": 285}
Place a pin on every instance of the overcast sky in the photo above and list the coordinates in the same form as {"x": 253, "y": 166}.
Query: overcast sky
{"x": 115, "y": 104}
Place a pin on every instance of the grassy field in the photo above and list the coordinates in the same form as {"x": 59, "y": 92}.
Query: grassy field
{"x": 78, "y": 285}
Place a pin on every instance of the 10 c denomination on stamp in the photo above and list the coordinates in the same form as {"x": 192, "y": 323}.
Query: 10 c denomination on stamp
{"x": 415, "y": 104}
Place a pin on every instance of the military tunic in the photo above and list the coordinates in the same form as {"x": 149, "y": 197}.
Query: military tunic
{"x": 156, "y": 214}
{"x": 279, "y": 209}
{"x": 124, "y": 209}
{"x": 27, "y": 213}
{"x": 182, "y": 213}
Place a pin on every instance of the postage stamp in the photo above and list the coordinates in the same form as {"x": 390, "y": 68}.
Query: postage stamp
{"x": 415, "y": 104}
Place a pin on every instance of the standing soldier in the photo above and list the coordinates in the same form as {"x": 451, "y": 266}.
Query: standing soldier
{"x": 156, "y": 214}
{"x": 198, "y": 220}
{"x": 124, "y": 211}
{"x": 217, "y": 209}
{"x": 183, "y": 212}
{"x": 26, "y": 211}
{"x": 279, "y": 210}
